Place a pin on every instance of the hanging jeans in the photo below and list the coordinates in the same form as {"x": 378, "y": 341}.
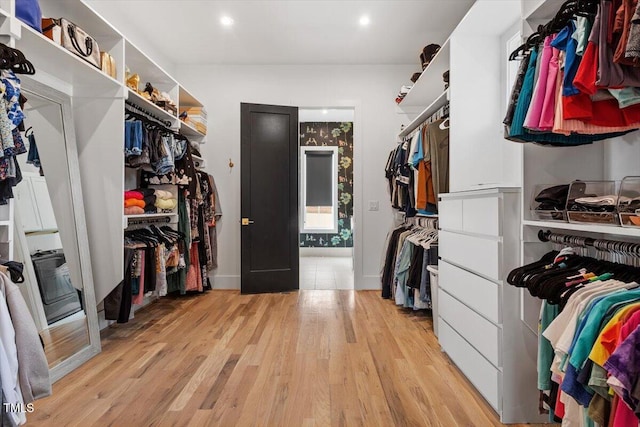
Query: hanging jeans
{"x": 133, "y": 136}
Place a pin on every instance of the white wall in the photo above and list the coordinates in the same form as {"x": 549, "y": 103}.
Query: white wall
{"x": 370, "y": 89}
{"x": 125, "y": 23}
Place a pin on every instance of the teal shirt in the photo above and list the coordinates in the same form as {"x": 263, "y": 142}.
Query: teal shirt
{"x": 589, "y": 334}
{"x": 545, "y": 349}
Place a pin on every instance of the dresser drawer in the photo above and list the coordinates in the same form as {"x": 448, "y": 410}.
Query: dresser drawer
{"x": 480, "y": 294}
{"x": 484, "y": 376}
{"x": 481, "y": 215}
{"x": 450, "y": 214}
{"x": 483, "y": 335}
{"x": 479, "y": 255}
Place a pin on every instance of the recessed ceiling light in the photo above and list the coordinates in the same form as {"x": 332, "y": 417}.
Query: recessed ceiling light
{"x": 227, "y": 21}
{"x": 325, "y": 111}
{"x": 364, "y": 20}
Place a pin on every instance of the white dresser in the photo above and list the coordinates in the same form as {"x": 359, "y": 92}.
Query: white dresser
{"x": 479, "y": 316}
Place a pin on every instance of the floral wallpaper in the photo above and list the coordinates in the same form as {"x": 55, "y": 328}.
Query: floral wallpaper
{"x": 341, "y": 135}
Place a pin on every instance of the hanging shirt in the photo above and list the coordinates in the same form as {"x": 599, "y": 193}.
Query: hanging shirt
{"x": 532, "y": 120}
{"x": 565, "y": 42}
{"x": 581, "y": 34}
{"x": 549, "y": 102}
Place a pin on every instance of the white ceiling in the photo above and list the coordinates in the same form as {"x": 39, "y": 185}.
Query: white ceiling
{"x": 288, "y": 32}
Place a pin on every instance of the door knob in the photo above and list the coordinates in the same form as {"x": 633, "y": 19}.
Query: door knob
{"x": 246, "y": 221}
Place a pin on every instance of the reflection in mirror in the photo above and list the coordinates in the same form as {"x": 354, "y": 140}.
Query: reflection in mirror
{"x": 46, "y": 236}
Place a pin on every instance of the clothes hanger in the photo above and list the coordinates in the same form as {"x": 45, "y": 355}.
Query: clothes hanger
{"x": 14, "y": 60}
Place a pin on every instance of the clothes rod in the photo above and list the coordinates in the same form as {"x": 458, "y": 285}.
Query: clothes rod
{"x": 413, "y": 127}
{"x": 142, "y": 220}
{"x": 600, "y": 244}
{"x": 139, "y": 110}
{"x": 422, "y": 221}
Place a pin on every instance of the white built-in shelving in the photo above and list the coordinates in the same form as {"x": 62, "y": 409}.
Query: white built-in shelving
{"x": 430, "y": 85}
{"x": 98, "y": 104}
{"x": 568, "y": 227}
{"x": 189, "y": 131}
{"x": 438, "y": 103}
{"x": 130, "y": 219}
{"x": 187, "y": 100}
{"x": 150, "y": 107}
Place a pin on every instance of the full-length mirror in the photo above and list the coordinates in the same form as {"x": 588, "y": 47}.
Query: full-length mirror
{"x": 50, "y": 234}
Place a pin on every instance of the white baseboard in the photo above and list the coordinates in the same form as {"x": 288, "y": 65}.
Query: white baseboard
{"x": 368, "y": 283}
{"x": 328, "y": 252}
{"x": 226, "y": 282}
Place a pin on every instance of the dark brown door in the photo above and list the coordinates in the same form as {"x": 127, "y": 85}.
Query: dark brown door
{"x": 269, "y": 223}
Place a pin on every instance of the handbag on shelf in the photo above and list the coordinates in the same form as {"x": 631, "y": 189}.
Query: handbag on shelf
{"x": 108, "y": 65}
{"x": 51, "y": 29}
{"x": 74, "y": 39}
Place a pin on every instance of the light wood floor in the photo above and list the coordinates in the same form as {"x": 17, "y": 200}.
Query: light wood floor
{"x": 63, "y": 341}
{"x": 324, "y": 358}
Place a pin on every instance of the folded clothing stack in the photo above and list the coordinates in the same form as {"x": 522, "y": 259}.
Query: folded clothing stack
{"x": 595, "y": 203}
{"x": 553, "y": 198}
{"x": 148, "y": 201}
{"x": 165, "y": 201}
{"x": 133, "y": 202}
{"x": 197, "y": 117}
{"x": 629, "y": 204}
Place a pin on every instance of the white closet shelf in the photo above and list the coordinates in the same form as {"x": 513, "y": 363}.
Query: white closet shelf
{"x": 5, "y": 222}
{"x": 189, "y": 131}
{"x": 438, "y": 103}
{"x": 149, "y": 70}
{"x": 149, "y": 106}
{"x": 544, "y": 11}
{"x": 588, "y": 228}
{"x": 187, "y": 99}
{"x": 430, "y": 84}
{"x": 58, "y": 62}
{"x": 83, "y": 15}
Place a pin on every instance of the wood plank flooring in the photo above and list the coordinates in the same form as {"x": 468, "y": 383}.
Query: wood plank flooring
{"x": 65, "y": 340}
{"x": 308, "y": 358}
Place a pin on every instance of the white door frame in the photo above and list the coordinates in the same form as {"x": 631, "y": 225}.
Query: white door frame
{"x": 358, "y": 167}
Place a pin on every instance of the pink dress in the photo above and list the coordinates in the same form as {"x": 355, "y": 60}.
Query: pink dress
{"x": 549, "y": 101}
{"x": 532, "y": 120}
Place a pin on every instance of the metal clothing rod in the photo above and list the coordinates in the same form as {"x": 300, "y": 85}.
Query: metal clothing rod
{"x": 139, "y": 110}
{"x": 600, "y": 244}
{"x": 145, "y": 221}
{"x": 437, "y": 115}
{"x": 424, "y": 222}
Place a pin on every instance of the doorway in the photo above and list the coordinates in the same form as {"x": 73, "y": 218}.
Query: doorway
{"x": 269, "y": 198}
{"x": 326, "y": 213}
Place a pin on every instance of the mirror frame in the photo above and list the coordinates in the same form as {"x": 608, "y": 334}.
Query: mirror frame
{"x": 29, "y": 85}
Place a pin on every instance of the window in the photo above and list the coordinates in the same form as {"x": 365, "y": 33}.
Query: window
{"x": 319, "y": 166}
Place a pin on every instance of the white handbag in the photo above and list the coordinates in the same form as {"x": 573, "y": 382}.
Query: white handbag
{"x": 77, "y": 41}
